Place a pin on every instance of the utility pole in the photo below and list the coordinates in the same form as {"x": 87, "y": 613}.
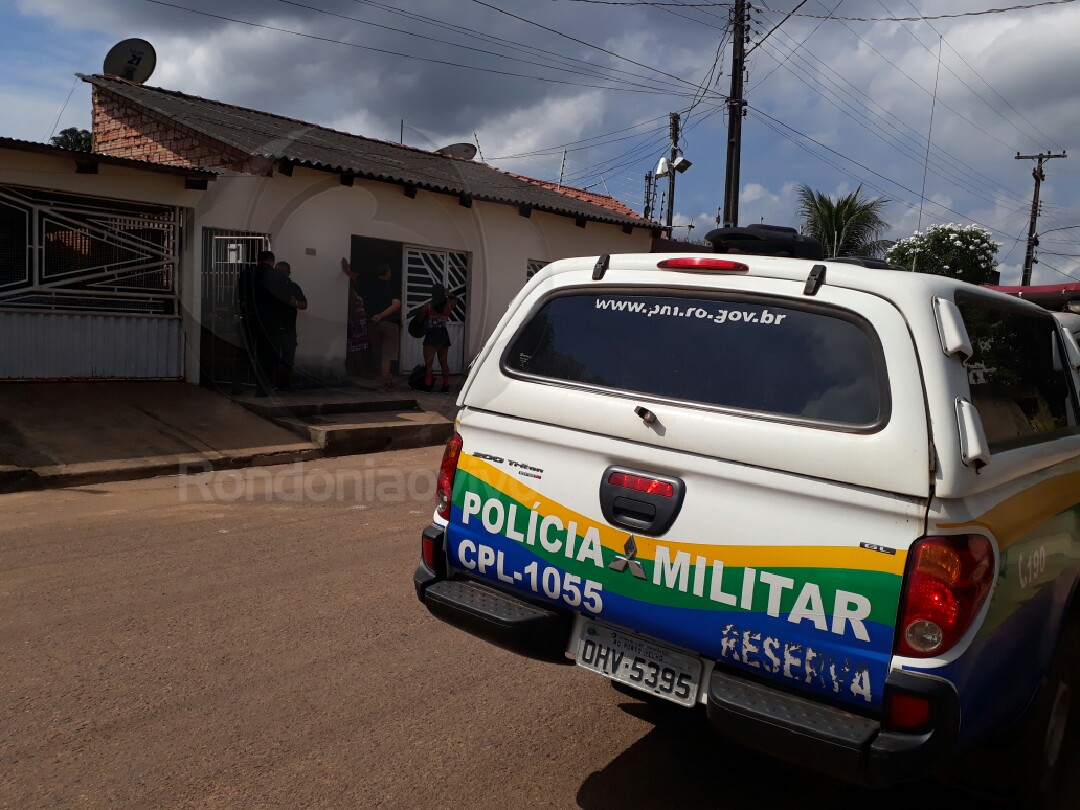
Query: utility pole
{"x": 671, "y": 170}
{"x": 647, "y": 213}
{"x": 1033, "y": 239}
{"x": 736, "y": 105}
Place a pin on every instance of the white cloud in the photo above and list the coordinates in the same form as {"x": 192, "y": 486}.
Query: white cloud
{"x": 758, "y": 204}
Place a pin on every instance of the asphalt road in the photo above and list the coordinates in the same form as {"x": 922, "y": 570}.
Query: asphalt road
{"x": 251, "y": 639}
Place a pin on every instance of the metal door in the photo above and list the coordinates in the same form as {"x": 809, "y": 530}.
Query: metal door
{"x": 423, "y": 268}
{"x": 222, "y": 349}
{"x": 88, "y": 287}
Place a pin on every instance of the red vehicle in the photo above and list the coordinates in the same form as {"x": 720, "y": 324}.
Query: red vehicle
{"x": 1062, "y": 299}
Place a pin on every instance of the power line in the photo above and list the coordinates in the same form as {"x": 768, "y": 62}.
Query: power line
{"x": 708, "y": 78}
{"x": 1059, "y": 272}
{"x": 635, "y": 154}
{"x": 472, "y": 33}
{"x": 903, "y": 73}
{"x": 827, "y": 160}
{"x": 797, "y": 47}
{"x": 977, "y": 94}
{"x": 909, "y": 19}
{"x": 725, "y": 19}
{"x": 543, "y": 53}
{"x": 558, "y": 148}
{"x": 866, "y": 168}
{"x": 660, "y": 5}
{"x": 946, "y": 160}
{"x": 583, "y": 173}
{"x": 621, "y": 160}
{"x": 442, "y": 41}
{"x": 892, "y": 137}
{"x": 582, "y": 42}
{"x": 372, "y": 49}
{"x": 984, "y": 81}
{"x": 1014, "y": 244}
{"x": 63, "y": 107}
{"x": 769, "y": 34}
{"x": 695, "y": 20}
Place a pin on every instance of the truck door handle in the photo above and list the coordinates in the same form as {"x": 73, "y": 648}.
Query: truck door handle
{"x": 633, "y": 513}
{"x": 640, "y": 501}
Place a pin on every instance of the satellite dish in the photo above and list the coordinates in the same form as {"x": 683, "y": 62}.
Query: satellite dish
{"x": 132, "y": 59}
{"x": 465, "y": 151}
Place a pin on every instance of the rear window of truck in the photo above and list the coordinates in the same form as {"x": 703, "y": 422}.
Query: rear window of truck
{"x": 1016, "y": 376}
{"x": 749, "y": 355}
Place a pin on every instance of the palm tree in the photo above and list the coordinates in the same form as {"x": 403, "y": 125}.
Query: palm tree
{"x": 848, "y": 226}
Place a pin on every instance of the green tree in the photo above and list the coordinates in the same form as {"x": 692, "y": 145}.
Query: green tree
{"x": 77, "y": 140}
{"x": 966, "y": 252}
{"x": 850, "y": 225}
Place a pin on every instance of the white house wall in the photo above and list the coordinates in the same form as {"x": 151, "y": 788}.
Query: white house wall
{"x": 312, "y": 218}
{"x": 57, "y": 172}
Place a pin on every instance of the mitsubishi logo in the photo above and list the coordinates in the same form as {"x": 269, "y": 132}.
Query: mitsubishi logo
{"x": 621, "y": 562}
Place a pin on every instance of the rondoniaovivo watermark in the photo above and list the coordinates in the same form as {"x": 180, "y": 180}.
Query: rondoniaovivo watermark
{"x": 299, "y": 482}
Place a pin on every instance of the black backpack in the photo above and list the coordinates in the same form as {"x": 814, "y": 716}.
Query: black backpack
{"x": 416, "y": 378}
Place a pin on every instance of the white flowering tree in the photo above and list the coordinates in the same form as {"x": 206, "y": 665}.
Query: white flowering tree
{"x": 966, "y": 252}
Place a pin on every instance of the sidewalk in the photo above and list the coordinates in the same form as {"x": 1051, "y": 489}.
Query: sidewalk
{"x": 358, "y": 418}
{"x": 76, "y": 433}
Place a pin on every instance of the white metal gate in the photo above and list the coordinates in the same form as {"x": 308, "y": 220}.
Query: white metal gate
{"x": 88, "y": 287}
{"x": 423, "y": 268}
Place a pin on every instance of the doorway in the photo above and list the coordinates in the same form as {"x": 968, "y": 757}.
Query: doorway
{"x": 423, "y": 268}
{"x": 222, "y": 355}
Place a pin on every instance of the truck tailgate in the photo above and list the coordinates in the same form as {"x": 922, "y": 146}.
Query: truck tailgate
{"x": 792, "y": 579}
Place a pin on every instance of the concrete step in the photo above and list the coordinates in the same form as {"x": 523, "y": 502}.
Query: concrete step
{"x": 302, "y": 404}
{"x": 348, "y": 433}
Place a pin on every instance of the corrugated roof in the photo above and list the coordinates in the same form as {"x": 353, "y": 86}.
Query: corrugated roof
{"x": 579, "y": 194}
{"x": 280, "y": 138}
{"x": 49, "y": 149}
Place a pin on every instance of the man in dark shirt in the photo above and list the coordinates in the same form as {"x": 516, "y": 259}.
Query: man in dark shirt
{"x": 287, "y": 325}
{"x": 383, "y": 304}
{"x": 258, "y": 291}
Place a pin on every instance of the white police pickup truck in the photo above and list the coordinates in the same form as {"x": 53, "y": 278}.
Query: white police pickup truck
{"x": 837, "y": 507}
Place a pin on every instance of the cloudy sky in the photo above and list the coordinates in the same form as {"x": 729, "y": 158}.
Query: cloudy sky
{"x": 834, "y": 101}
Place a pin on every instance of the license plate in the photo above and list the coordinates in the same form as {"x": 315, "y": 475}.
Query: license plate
{"x": 639, "y": 663}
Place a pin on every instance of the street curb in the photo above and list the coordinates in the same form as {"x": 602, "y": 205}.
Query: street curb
{"x": 24, "y": 479}
{"x": 16, "y": 479}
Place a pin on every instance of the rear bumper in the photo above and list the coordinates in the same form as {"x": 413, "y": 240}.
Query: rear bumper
{"x": 806, "y": 732}
{"x": 529, "y": 629}
{"x": 833, "y": 740}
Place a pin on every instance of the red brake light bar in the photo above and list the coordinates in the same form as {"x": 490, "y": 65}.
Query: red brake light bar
{"x": 641, "y": 484}
{"x": 703, "y": 264}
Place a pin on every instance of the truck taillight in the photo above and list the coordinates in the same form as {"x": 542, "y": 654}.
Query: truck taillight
{"x": 444, "y": 488}
{"x": 946, "y": 583}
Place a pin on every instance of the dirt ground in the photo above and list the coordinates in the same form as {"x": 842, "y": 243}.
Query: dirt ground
{"x": 251, "y": 639}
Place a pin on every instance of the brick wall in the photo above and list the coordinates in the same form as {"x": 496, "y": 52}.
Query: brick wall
{"x": 124, "y": 129}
